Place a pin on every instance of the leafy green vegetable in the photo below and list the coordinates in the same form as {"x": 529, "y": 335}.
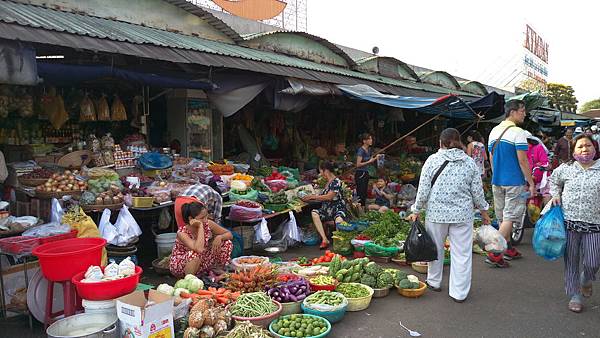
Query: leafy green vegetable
{"x": 384, "y": 280}
{"x": 373, "y": 269}
{"x": 405, "y": 284}
{"x": 368, "y": 280}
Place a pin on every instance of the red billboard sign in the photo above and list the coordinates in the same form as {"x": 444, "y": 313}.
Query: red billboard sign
{"x": 535, "y": 44}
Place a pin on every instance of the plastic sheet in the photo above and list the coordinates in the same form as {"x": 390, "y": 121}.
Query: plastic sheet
{"x": 48, "y": 229}
{"x": 240, "y": 213}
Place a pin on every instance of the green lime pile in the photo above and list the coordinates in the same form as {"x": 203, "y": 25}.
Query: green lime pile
{"x": 299, "y": 325}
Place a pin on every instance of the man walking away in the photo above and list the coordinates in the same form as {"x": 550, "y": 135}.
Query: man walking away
{"x": 508, "y": 147}
{"x": 562, "y": 149}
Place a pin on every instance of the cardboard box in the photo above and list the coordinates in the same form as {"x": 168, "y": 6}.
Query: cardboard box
{"x": 137, "y": 318}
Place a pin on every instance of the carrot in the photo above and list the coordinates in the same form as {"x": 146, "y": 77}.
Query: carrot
{"x": 222, "y": 300}
{"x": 188, "y": 295}
{"x": 204, "y": 292}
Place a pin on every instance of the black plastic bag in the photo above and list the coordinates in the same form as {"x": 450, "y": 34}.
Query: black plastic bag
{"x": 419, "y": 247}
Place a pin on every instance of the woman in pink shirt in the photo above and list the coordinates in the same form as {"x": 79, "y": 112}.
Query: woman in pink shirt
{"x": 537, "y": 154}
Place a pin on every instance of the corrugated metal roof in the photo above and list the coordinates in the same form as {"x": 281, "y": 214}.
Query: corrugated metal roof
{"x": 101, "y": 28}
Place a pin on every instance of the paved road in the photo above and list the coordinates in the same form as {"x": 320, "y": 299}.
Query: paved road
{"x": 526, "y": 300}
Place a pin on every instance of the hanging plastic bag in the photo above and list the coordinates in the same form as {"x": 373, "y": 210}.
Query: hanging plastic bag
{"x": 102, "y": 109}
{"x": 57, "y": 212}
{"x": 419, "y": 247}
{"x": 165, "y": 219}
{"x": 127, "y": 227}
{"x": 291, "y": 232}
{"x": 261, "y": 232}
{"x": 107, "y": 230}
{"x": 58, "y": 114}
{"x": 490, "y": 239}
{"x": 550, "y": 236}
{"x": 118, "y": 110}
{"x": 87, "y": 111}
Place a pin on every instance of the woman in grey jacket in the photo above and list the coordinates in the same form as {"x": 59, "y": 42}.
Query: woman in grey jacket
{"x": 450, "y": 188}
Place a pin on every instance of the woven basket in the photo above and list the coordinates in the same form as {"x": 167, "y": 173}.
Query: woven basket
{"x": 420, "y": 268}
{"x": 32, "y": 182}
{"x": 413, "y": 293}
{"x": 76, "y": 159}
{"x": 57, "y": 195}
{"x": 101, "y": 207}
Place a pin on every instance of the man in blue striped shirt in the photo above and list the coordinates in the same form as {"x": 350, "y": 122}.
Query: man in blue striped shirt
{"x": 507, "y": 145}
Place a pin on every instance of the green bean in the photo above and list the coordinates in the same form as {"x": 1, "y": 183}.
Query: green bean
{"x": 254, "y": 304}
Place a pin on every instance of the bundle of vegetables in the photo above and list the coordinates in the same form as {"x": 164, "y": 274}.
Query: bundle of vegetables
{"x": 325, "y": 298}
{"x": 385, "y": 225}
{"x": 252, "y": 280}
{"x": 251, "y": 305}
{"x": 349, "y": 271}
{"x": 277, "y": 198}
{"x": 248, "y": 330}
{"x": 397, "y": 275}
{"x": 275, "y": 176}
{"x": 259, "y": 185}
{"x": 410, "y": 282}
{"x": 342, "y": 241}
{"x": 207, "y": 320}
{"x": 298, "y": 325}
{"x": 291, "y": 291}
{"x": 350, "y": 290}
{"x": 372, "y": 272}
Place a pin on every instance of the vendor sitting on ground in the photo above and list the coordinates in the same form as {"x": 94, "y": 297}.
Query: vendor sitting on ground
{"x": 383, "y": 196}
{"x": 333, "y": 207}
{"x": 201, "y": 244}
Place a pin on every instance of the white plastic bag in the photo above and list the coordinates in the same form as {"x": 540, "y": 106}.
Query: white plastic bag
{"x": 93, "y": 274}
{"x": 48, "y": 229}
{"x": 126, "y": 267}
{"x": 291, "y": 232}
{"x": 57, "y": 212}
{"x": 261, "y": 232}
{"x": 127, "y": 227}
{"x": 164, "y": 219}
{"x": 107, "y": 230}
{"x": 490, "y": 239}
{"x": 326, "y": 307}
{"x": 111, "y": 270}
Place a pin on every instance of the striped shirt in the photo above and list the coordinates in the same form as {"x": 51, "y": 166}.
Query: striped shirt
{"x": 210, "y": 198}
{"x": 505, "y": 163}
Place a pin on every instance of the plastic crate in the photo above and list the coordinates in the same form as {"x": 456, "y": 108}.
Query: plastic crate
{"x": 54, "y": 238}
{"x": 18, "y": 245}
{"x": 142, "y": 202}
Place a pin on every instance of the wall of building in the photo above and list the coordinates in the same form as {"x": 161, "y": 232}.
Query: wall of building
{"x": 152, "y": 13}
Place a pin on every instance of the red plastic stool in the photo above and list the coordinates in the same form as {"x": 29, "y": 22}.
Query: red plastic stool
{"x": 71, "y": 301}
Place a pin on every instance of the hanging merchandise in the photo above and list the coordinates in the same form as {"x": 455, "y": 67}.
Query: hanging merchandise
{"x": 102, "y": 109}
{"x": 118, "y": 110}
{"x": 60, "y": 115}
{"x": 107, "y": 142}
{"x": 87, "y": 111}
{"x": 3, "y": 106}
{"x": 93, "y": 143}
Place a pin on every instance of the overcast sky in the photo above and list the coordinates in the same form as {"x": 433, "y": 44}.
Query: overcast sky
{"x": 477, "y": 40}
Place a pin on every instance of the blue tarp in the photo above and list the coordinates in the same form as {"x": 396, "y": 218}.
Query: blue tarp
{"x": 449, "y": 105}
{"x": 64, "y": 75}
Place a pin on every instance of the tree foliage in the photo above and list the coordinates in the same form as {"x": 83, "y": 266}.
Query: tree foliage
{"x": 532, "y": 85}
{"x": 594, "y": 104}
{"x": 561, "y": 96}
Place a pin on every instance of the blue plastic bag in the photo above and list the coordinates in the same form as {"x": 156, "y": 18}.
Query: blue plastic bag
{"x": 550, "y": 235}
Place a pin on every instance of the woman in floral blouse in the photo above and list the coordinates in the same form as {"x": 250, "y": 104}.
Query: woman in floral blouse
{"x": 449, "y": 202}
{"x": 334, "y": 205}
{"x": 576, "y": 186}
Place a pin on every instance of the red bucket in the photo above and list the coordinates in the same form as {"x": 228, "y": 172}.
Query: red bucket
{"x": 61, "y": 260}
{"x": 106, "y": 290}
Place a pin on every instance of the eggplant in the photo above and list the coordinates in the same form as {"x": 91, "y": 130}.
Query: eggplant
{"x": 275, "y": 294}
{"x": 293, "y": 289}
{"x": 301, "y": 297}
{"x": 293, "y": 298}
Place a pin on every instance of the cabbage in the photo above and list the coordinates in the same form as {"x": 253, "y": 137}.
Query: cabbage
{"x": 190, "y": 277}
{"x": 195, "y": 284}
{"x": 413, "y": 278}
{"x": 166, "y": 289}
{"x": 182, "y": 283}
{"x": 178, "y": 291}
{"x": 238, "y": 186}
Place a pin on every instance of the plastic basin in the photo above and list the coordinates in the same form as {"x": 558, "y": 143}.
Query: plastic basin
{"x": 61, "y": 260}
{"x": 262, "y": 321}
{"x": 324, "y": 334}
{"x": 291, "y": 308}
{"x": 106, "y": 290}
{"x": 361, "y": 303}
{"x": 331, "y": 316}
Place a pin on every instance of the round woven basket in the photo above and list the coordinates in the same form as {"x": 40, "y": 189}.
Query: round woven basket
{"x": 49, "y": 195}
{"x": 420, "y": 268}
{"x": 413, "y": 293}
{"x": 32, "y": 182}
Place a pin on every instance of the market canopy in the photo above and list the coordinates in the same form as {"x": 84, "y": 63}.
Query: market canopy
{"x": 449, "y": 105}
{"x": 532, "y": 100}
{"x": 65, "y": 74}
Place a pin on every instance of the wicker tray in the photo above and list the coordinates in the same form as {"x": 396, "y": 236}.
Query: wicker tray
{"x": 413, "y": 293}
{"x": 32, "y": 182}
{"x": 101, "y": 207}
{"x": 49, "y": 195}
{"x": 160, "y": 270}
{"x": 420, "y": 268}
{"x": 76, "y": 159}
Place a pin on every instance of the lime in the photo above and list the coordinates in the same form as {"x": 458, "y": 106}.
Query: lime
{"x": 316, "y": 331}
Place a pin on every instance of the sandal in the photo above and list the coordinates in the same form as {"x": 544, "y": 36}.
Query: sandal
{"x": 586, "y": 290}
{"x": 575, "y": 307}
{"x": 324, "y": 245}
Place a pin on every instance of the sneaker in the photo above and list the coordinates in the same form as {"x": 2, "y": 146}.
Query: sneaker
{"x": 511, "y": 254}
{"x": 496, "y": 260}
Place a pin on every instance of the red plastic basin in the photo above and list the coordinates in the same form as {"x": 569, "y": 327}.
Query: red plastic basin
{"x": 106, "y": 290}
{"x": 61, "y": 260}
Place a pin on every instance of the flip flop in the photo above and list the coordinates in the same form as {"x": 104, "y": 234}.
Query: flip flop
{"x": 324, "y": 246}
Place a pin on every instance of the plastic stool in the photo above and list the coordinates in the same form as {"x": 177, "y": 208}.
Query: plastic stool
{"x": 71, "y": 301}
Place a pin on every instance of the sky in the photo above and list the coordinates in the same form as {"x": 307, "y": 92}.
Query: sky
{"x": 476, "y": 40}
